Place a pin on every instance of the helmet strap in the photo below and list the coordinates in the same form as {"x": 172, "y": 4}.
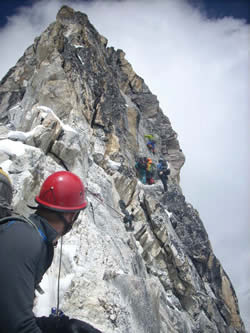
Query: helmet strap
{"x": 67, "y": 225}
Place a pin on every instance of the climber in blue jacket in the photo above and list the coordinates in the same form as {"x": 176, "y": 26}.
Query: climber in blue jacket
{"x": 163, "y": 171}
{"x": 151, "y": 142}
{"x": 27, "y": 249}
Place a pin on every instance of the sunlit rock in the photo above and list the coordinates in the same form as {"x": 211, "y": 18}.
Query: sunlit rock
{"x": 73, "y": 103}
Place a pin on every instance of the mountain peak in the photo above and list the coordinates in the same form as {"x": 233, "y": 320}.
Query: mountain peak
{"x": 71, "y": 102}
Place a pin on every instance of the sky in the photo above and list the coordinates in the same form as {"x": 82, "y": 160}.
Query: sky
{"x": 194, "y": 55}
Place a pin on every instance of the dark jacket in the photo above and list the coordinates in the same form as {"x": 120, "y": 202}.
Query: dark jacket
{"x": 162, "y": 170}
{"x": 25, "y": 255}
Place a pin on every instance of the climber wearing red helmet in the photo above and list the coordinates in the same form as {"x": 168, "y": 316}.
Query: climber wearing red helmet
{"x": 62, "y": 195}
{"x": 29, "y": 249}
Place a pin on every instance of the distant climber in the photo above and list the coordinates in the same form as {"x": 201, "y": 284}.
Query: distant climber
{"x": 27, "y": 250}
{"x": 128, "y": 219}
{"x": 151, "y": 142}
{"x": 6, "y": 194}
{"x": 141, "y": 166}
{"x": 150, "y": 172}
{"x": 163, "y": 171}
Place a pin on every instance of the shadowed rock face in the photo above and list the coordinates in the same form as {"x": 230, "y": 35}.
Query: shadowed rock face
{"x": 72, "y": 102}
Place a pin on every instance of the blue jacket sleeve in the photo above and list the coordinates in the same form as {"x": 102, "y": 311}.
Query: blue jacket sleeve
{"x": 20, "y": 246}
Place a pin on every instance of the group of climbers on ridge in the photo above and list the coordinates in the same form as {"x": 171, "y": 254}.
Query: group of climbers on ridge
{"x": 61, "y": 199}
{"x": 147, "y": 169}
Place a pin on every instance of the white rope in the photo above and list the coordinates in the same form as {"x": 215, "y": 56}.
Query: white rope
{"x": 58, "y": 282}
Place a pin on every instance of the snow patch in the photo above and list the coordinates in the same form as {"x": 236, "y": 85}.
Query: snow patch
{"x": 48, "y": 110}
{"x": 77, "y": 46}
{"x": 12, "y": 148}
{"x": 16, "y": 107}
{"x": 113, "y": 165}
{"x": 169, "y": 213}
{"x": 79, "y": 57}
{"x": 22, "y": 136}
{"x": 6, "y": 165}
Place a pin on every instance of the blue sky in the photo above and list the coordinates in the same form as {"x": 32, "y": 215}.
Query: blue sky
{"x": 213, "y": 9}
{"x": 196, "y": 60}
{"x": 217, "y": 9}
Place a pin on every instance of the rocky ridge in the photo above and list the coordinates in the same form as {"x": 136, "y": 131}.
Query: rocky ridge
{"x": 71, "y": 102}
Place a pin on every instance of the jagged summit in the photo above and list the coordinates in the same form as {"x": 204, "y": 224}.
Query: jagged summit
{"x": 73, "y": 102}
{"x": 76, "y": 74}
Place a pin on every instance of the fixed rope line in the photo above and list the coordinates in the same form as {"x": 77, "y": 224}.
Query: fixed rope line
{"x": 100, "y": 199}
{"x": 93, "y": 212}
{"x": 58, "y": 282}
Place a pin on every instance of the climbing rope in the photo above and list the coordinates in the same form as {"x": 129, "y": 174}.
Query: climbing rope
{"x": 100, "y": 199}
{"x": 58, "y": 281}
{"x": 93, "y": 211}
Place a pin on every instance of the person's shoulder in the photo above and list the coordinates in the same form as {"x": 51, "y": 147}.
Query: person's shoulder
{"x": 22, "y": 238}
{"x": 18, "y": 226}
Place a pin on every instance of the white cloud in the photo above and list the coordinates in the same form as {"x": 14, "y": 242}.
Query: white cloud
{"x": 198, "y": 68}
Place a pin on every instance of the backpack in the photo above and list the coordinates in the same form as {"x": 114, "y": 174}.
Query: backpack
{"x": 18, "y": 218}
{"x": 151, "y": 181}
{"x": 9, "y": 220}
{"x": 126, "y": 218}
{"x": 149, "y": 164}
{"x": 122, "y": 205}
{"x": 164, "y": 166}
{"x": 142, "y": 164}
{"x": 149, "y": 137}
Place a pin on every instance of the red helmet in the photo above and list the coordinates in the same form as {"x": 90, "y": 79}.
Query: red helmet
{"x": 63, "y": 191}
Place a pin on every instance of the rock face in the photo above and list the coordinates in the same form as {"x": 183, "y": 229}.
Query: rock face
{"x": 73, "y": 103}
